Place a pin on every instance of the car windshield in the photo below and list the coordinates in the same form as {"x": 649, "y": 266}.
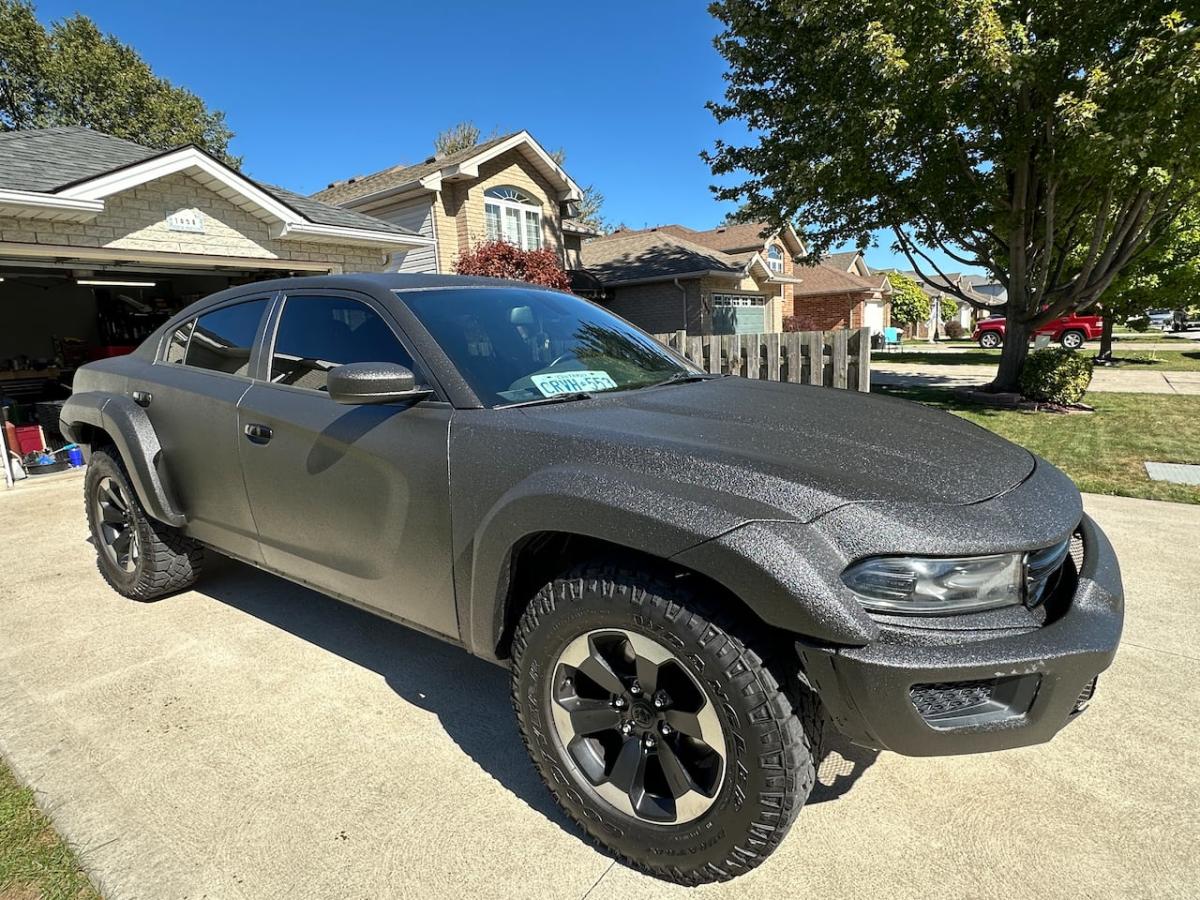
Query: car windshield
{"x": 514, "y": 345}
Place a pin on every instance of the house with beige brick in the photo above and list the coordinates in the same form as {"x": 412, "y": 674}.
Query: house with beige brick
{"x": 102, "y": 239}
{"x": 507, "y": 188}
{"x": 731, "y": 279}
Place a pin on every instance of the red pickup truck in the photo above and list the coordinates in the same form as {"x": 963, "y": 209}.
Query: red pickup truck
{"x": 1070, "y": 331}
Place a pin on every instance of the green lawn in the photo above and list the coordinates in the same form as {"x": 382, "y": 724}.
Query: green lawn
{"x": 1131, "y": 358}
{"x": 35, "y": 864}
{"x": 1103, "y": 452}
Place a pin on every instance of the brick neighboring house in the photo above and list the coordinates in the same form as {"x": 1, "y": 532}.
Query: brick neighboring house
{"x": 725, "y": 280}
{"x": 841, "y": 291}
{"x": 506, "y": 188}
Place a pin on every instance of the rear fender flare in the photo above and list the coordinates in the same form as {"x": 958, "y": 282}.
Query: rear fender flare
{"x": 135, "y": 439}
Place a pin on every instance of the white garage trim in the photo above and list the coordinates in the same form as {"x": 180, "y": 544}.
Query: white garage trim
{"x": 64, "y": 255}
{"x": 32, "y": 204}
{"x": 309, "y": 231}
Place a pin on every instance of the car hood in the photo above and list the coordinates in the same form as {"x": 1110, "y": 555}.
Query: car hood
{"x": 772, "y": 450}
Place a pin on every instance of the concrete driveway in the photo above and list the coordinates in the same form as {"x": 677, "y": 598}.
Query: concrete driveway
{"x": 253, "y": 739}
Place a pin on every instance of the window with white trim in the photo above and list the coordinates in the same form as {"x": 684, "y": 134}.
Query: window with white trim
{"x": 739, "y": 300}
{"x": 775, "y": 258}
{"x": 512, "y": 215}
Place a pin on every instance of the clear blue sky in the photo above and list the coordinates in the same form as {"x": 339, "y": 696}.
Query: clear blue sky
{"x": 322, "y": 91}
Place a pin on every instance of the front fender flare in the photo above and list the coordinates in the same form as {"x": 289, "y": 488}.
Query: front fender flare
{"x": 135, "y": 439}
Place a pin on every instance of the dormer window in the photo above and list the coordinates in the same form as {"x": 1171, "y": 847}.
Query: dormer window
{"x": 775, "y": 259}
{"x": 514, "y": 216}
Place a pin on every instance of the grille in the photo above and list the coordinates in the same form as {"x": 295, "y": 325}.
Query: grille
{"x": 1085, "y": 695}
{"x": 950, "y": 698}
{"x": 1077, "y": 551}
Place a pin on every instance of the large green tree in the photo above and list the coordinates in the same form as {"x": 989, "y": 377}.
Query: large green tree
{"x": 73, "y": 74}
{"x": 910, "y": 304}
{"x": 1050, "y": 142}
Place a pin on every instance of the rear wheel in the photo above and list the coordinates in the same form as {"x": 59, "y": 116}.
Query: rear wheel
{"x": 1072, "y": 340}
{"x": 989, "y": 340}
{"x": 140, "y": 557}
{"x": 659, "y": 728}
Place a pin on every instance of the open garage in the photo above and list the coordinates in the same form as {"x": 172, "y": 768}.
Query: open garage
{"x": 101, "y": 240}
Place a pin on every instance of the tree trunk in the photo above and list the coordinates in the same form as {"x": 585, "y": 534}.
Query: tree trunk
{"x": 1012, "y": 356}
{"x": 1106, "y": 339}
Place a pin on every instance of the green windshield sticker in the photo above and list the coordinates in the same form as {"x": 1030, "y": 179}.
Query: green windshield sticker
{"x": 572, "y": 382}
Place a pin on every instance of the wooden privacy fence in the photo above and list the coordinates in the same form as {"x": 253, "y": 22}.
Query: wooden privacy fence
{"x": 839, "y": 359}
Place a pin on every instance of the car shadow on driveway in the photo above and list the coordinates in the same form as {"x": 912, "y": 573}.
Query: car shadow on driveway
{"x": 469, "y": 696}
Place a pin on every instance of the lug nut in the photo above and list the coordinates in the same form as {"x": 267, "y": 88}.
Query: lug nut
{"x": 665, "y": 729}
{"x": 619, "y": 702}
{"x": 648, "y": 742}
{"x": 661, "y": 700}
{"x": 635, "y": 688}
{"x": 626, "y": 728}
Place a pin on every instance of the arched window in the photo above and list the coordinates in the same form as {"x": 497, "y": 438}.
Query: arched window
{"x": 514, "y": 216}
{"x": 775, "y": 258}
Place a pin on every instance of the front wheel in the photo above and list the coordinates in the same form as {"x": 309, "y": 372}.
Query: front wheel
{"x": 1071, "y": 340}
{"x": 658, "y": 728}
{"x": 989, "y": 340}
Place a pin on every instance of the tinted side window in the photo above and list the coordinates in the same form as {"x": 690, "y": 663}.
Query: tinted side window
{"x": 222, "y": 339}
{"x": 177, "y": 345}
{"x": 317, "y": 333}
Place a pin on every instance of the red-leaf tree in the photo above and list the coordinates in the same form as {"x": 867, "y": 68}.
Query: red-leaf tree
{"x": 500, "y": 259}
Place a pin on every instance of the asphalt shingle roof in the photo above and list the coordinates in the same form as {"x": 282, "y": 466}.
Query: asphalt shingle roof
{"x": 647, "y": 255}
{"x": 47, "y": 160}
{"x": 726, "y": 238}
{"x": 825, "y": 278}
{"x": 345, "y": 191}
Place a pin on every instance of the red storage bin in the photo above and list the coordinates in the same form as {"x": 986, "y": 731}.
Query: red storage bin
{"x": 29, "y": 439}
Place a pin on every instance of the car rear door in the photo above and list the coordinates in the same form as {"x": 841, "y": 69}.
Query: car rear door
{"x": 353, "y": 500}
{"x": 191, "y": 397}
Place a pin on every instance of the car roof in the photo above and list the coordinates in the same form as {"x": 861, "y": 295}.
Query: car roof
{"x": 371, "y": 282}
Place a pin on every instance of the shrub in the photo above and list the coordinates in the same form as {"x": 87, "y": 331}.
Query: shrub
{"x": 500, "y": 259}
{"x": 954, "y": 330}
{"x": 1056, "y": 375}
{"x": 1140, "y": 324}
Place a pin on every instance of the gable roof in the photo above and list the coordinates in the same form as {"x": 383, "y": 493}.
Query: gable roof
{"x": 828, "y": 278}
{"x": 844, "y": 260}
{"x": 460, "y": 164}
{"x": 736, "y": 237}
{"x": 631, "y": 256}
{"x": 68, "y": 171}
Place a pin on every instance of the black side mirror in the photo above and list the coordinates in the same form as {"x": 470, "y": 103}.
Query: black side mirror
{"x": 369, "y": 382}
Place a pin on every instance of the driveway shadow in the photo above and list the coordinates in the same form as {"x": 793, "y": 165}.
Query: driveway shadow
{"x": 470, "y": 697}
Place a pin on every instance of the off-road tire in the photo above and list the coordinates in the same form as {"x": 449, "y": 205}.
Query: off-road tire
{"x": 168, "y": 561}
{"x": 771, "y": 723}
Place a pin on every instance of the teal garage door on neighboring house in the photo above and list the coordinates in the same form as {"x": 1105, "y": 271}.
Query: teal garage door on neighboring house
{"x": 739, "y": 314}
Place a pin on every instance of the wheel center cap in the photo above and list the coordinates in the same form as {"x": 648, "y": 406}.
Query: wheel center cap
{"x": 642, "y": 714}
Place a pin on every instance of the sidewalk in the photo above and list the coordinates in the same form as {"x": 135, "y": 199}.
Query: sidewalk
{"x": 1103, "y": 379}
{"x": 252, "y": 739}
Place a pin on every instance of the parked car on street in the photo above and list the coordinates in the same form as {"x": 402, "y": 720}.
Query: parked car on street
{"x": 1071, "y": 331}
{"x": 689, "y": 576}
{"x": 1162, "y": 319}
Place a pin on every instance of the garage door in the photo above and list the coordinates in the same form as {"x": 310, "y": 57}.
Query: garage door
{"x": 739, "y": 314}
{"x": 873, "y": 316}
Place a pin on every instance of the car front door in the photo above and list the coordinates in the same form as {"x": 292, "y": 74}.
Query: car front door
{"x": 191, "y": 398}
{"x": 353, "y": 500}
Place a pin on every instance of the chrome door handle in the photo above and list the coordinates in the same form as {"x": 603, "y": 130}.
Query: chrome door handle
{"x": 142, "y": 398}
{"x": 259, "y": 434}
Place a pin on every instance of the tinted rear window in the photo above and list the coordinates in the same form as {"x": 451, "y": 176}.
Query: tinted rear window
{"x": 222, "y": 339}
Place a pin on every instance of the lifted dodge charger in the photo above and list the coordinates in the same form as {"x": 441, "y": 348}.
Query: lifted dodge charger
{"x": 689, "y": 576}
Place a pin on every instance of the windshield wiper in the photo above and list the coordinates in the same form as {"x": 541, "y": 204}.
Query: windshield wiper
{"x": 685, "y": 377}
{"x": 542, "y": 401}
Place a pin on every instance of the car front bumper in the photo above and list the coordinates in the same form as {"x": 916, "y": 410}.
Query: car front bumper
{"x": 924, "y": 697}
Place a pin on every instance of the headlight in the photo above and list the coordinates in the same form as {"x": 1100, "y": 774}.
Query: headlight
{"x": 931, "y": 586}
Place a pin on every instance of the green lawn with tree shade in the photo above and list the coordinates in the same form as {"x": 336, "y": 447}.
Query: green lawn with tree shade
{"x": 34, "y": 861}
{"x": 1103, "y": 452}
